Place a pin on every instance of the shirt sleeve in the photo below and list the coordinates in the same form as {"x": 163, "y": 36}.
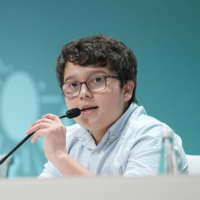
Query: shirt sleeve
{"x": 50, "y": 171}
{"x": 144, "y": 157}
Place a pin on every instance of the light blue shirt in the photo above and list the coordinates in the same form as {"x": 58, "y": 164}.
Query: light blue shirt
{"x": 131, "y": 147}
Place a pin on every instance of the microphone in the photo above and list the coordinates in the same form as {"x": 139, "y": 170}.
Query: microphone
{"x": 75, "y": 112}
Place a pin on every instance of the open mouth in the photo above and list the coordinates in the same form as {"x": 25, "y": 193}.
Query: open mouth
{"x": 90, "y": 108}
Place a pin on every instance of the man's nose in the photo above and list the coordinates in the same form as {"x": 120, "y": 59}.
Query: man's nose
{"x": 85, "y": 92}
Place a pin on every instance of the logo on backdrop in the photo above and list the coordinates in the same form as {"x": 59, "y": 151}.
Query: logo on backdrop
{"x": 21, "y": 100}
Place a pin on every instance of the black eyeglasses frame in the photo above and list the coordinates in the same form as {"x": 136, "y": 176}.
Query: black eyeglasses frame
{"x": 85, "y": 82}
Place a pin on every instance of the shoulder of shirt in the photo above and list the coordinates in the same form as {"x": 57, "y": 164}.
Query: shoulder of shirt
{"x": 140, "y": 123}
{"x": 146, "y": 130}
{"x": 139, "y": 114}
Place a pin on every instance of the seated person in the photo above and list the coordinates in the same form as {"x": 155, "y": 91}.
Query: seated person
{"x": 113, "y": 135}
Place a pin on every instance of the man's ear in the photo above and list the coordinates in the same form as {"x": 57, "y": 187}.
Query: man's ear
{"x": 128, "y": 90}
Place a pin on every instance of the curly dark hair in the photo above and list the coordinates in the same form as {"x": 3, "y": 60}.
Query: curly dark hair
{"x": 100, "y": 50}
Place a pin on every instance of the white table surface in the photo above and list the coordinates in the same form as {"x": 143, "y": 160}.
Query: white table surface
{"x": 183, "y": 187}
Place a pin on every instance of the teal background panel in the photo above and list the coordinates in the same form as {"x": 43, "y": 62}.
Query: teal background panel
{"x": 164, "y": 36}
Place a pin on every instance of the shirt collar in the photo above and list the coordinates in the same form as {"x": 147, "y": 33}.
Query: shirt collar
{"x": 86, "y": 138}
{"x": 115, "y": 130}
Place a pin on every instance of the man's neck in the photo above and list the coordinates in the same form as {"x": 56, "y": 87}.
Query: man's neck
{"x": 98, "y": 135}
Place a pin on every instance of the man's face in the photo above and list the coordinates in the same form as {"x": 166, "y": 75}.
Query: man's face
{"x": 107, "y": 105}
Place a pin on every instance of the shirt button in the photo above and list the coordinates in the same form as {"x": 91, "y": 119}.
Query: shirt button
{"x": 96, "y": 152}
{"x": 112, "y": 137}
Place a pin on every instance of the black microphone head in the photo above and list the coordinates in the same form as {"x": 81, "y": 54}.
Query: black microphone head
{"x": 75, "y": 112}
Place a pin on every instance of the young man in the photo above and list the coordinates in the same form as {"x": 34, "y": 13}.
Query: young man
{"x": 113, "y": 135}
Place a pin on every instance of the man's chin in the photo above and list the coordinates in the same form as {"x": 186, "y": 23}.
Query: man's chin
{"x": 87, "y": 124}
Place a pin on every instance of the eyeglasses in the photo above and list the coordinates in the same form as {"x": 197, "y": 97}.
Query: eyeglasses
{"x": 94, "y": 84}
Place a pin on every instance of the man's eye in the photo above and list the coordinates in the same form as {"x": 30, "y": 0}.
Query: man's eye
{"x": 98, "y": 79}
{"x": 74, "y": 85}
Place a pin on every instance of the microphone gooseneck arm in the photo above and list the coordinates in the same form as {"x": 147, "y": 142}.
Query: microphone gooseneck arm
{"x": 75, "y": 112}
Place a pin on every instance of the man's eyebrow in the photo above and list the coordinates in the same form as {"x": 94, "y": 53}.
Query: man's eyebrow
{"x": 89, "y": 74}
